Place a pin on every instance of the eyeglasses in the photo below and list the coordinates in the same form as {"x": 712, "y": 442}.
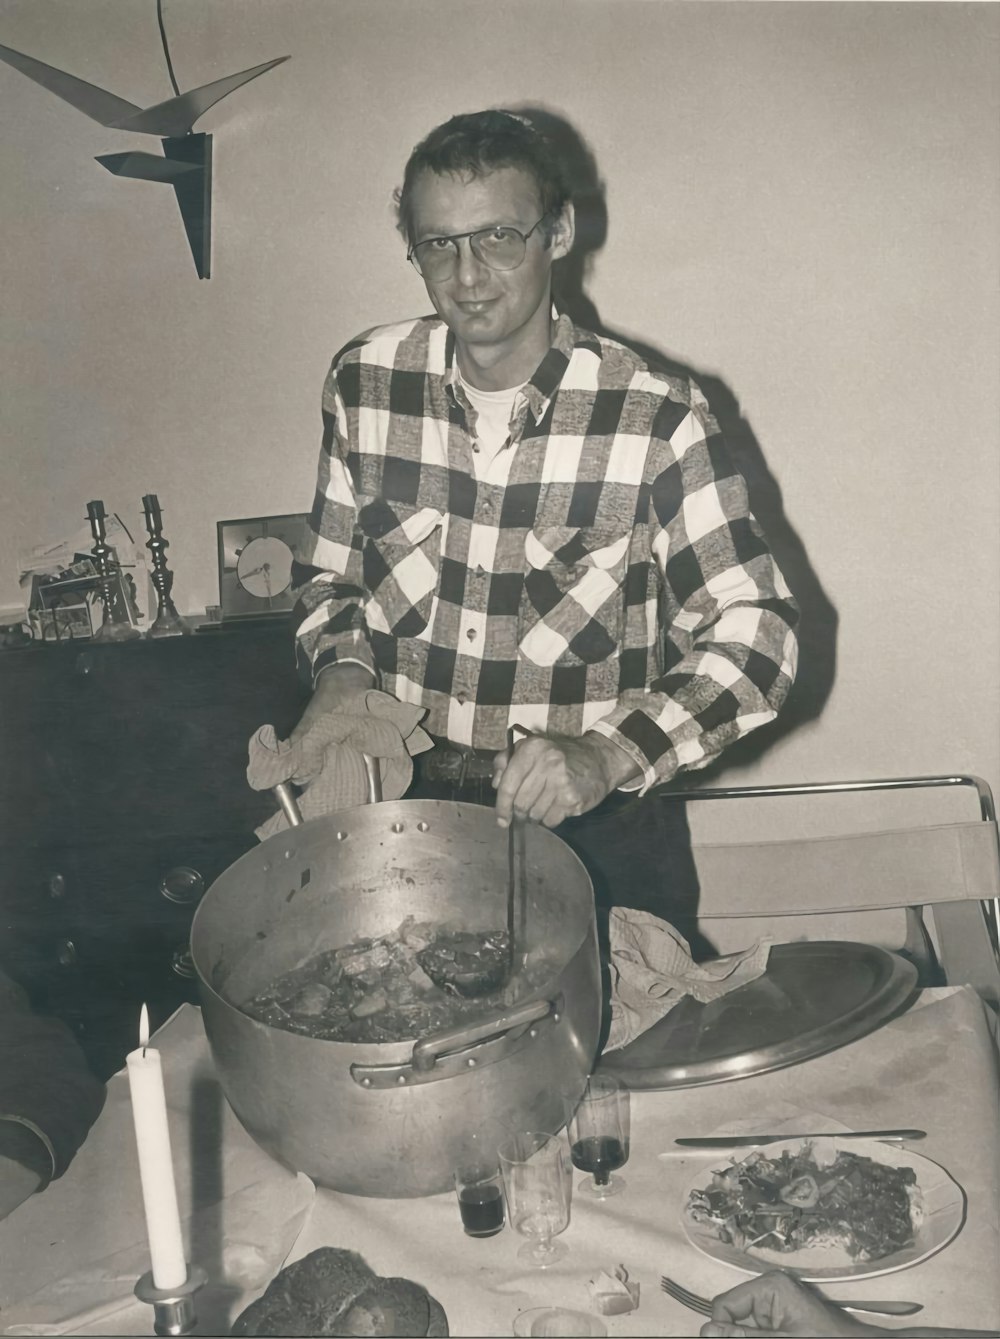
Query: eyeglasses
{"x": 499, "y": 247}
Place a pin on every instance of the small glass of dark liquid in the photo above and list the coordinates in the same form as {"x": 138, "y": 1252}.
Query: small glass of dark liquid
{"x": 479, "y": 1188}
{"x": 598, "y": 1129}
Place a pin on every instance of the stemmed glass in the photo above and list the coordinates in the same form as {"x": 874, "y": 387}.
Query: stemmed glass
{"x": 598, "y": 1129}
{"x": 538, "y": 1183}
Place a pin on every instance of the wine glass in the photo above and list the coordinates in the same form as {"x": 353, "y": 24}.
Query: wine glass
{"x": 598, "y": 1129}
{"x": 538, "y": 1182}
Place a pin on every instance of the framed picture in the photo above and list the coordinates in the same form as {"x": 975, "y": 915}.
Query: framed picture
{"x": 255, "y": 564}
{"x": 70, "y": 606}
{"x": 61, "y": 623}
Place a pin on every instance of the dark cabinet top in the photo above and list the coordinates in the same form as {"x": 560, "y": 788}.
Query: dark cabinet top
{"x": 143, "y": 739}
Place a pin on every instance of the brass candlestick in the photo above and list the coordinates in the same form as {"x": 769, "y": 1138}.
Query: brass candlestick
{"x": 112, "y": 629}
{"x": 168, "y": 622}
{"x": 173, "y": 1308}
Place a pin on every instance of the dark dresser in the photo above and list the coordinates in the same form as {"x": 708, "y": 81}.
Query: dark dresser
{"x": 123, "y": 794}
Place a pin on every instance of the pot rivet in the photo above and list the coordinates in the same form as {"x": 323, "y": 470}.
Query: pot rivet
{"x": 471, "y": 1062}
{"x": 556, "y": 1017}
{"x": 398, "y": 827}
{"x": 342, "y": 836}
{"x": 401, "y": 1079}
{"x": 366, "y": 1083}
{"x": 422, "y": 826}
{"x": 533, "y": 1032}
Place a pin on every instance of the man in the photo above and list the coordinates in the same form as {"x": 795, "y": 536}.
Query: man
{"x": 48, "y": 1098}
{"x": 518, "y": 523}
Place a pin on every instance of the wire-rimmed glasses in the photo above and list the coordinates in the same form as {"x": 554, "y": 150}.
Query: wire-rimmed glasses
{"x": 598, "y": 1129}
{"x": 538, "y": 1184}
{"x": 500, "y": 247}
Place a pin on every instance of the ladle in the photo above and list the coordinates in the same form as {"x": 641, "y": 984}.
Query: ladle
{"x": 482, "y": 972}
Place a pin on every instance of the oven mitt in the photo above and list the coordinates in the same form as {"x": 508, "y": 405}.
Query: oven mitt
{"x": 652, "y": 970}
{"x": 329, "y": 762}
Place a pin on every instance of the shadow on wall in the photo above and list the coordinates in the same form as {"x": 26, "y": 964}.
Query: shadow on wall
{"x": 818, "y": 626}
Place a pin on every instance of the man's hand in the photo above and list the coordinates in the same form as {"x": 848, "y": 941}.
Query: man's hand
{"x": 777, "y": 1303}
{"x": 335, "y": 688}
{"x": 553, "y": 777}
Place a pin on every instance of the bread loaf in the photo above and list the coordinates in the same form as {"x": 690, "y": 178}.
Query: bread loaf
{"x": 333, "y": 1292}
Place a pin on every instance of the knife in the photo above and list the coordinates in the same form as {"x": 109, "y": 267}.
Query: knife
{"x": 752, "y": 1140}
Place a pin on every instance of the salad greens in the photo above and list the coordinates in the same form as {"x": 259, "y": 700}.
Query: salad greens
{"x": 791, "y": 1202}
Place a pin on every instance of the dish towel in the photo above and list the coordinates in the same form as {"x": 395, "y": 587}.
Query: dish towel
{"x": 652, "y": 970}
{"x": 329, "y": 761}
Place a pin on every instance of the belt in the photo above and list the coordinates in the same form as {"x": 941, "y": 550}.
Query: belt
{"x": 444, "y": 763}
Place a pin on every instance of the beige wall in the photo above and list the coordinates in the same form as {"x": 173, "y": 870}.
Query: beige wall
{"x": 801, "y": 204}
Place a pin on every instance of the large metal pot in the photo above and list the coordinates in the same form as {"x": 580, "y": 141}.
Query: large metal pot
{"x": 392, "y": 1119}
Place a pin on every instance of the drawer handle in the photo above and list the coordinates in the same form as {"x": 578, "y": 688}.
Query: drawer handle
{"x": 66, "y": 952}
{"x": 182, "y": 885}
{"x": 182, "y": 963}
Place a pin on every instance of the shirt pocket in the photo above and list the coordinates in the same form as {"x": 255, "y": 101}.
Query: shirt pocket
{"x": 401, "y": 557}
{"x": 572, "y": 609}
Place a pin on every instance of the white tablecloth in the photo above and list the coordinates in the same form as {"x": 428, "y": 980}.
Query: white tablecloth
{"x": 70, "y": 1257}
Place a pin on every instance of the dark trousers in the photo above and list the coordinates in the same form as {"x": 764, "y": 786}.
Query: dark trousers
{"x": 636, "y": 851}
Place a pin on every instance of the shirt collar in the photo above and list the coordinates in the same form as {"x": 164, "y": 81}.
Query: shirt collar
{"x": 542, "y": 386}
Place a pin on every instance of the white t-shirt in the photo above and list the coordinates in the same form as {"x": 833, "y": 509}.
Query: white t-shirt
{"x": 493, "y": 411}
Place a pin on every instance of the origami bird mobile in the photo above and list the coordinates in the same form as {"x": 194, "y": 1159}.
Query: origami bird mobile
{"x": 186, "y": 164}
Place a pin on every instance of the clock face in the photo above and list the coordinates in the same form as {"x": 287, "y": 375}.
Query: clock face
{"x": 264, "y": 567}
{"x": 255, "y": 564}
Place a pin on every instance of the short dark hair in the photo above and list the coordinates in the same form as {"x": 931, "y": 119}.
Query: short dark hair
{"x": 474, "y": 143}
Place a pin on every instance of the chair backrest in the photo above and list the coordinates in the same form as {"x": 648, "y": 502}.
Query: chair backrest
{"x": 798, "y": 888}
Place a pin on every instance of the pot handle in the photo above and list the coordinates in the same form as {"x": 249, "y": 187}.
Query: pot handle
{"x": 449, "y": 1054}
{"x": 427, "y": 1052}
{"x": 288, "y": 800}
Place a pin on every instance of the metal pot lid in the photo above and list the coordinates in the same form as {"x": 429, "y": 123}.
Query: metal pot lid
{"x": 813, "y": 998}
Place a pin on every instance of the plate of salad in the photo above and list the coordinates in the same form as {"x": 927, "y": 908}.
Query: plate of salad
{"x": 824, "y": 1209}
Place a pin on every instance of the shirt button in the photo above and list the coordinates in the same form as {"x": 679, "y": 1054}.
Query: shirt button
{"x": 471, "y": 634}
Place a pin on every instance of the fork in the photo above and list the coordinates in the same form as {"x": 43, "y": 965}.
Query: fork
{"x": 704, "y": 1306}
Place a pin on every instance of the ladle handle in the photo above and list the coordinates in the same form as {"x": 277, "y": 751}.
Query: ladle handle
{"x": 288, "y": 800}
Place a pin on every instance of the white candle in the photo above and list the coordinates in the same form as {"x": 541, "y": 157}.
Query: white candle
{"x": 156, "y": 1170}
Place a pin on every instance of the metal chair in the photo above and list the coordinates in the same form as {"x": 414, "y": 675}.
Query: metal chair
{"x": 950, "y": 870}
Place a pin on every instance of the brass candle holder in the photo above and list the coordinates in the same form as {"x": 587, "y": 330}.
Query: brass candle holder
{"x": 173, "y": 1308}
{"x": 112, "y": 629}
{"x": 168, "y": 622}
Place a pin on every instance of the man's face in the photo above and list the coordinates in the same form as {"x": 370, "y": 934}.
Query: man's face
{"x": 501, "y": 317}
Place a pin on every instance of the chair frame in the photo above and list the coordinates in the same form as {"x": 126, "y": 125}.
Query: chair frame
{"x": 960, "y": 924}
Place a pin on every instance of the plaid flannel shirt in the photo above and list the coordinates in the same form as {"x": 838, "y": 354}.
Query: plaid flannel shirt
{"x": 606, "y": 575}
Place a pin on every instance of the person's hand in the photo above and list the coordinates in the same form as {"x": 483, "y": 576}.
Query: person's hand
{"x": 335, "y": 689}
{"x": 777, "y": 1303}
{"x": 553, "y": 777}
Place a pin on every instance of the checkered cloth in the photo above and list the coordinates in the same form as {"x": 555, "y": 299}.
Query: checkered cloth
{"x": 652, "y": 970}
{"x": 330, "y": 760}
{"x": 534, "y": 596}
